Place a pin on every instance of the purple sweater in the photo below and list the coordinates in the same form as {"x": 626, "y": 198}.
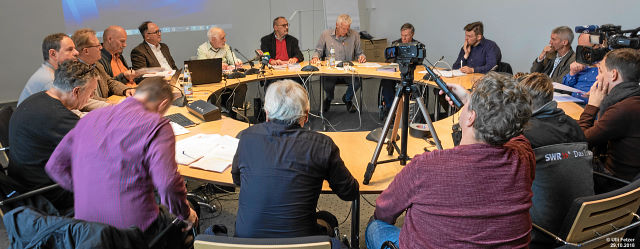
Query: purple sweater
{"x": 112, "y": 161}
{"x": 471, "y": 196}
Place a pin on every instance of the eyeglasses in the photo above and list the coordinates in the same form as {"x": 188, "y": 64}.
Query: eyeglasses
{"x": 94, "y": 46}
{"x": 155, "y": 32}
{"x": 284, "y": 25}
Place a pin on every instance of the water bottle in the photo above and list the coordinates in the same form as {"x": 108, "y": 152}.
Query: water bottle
{"x": 186, "y": 82}
{"x": 332, "y": 57}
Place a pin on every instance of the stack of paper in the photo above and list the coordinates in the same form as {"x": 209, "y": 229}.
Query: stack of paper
{"x": 559, "y": 86}
{"x": 178, "y": 129}
{"x": 561, "y": 97}
{"x": 369, "y": 64}
{"x": 447, "y": 73}
{"x": 211, "y": 152}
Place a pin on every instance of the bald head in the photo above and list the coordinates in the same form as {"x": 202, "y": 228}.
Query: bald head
{"x": 114, "y": 39}
{"x": 217, "y": 37}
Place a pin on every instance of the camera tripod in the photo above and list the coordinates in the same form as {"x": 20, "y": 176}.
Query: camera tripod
{"x": 403, "y": 92}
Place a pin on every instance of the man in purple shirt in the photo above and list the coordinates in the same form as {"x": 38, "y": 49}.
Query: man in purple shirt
{"x": 116, "y": 156}
{"x": 476, "y": 195}
{"x": 478, "y": 54}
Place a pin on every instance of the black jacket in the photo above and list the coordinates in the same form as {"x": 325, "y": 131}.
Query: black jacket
{"x": 27, "y": 228}
{"x": 268, "y": 44}
{"x": 106, "y": 63}
{"x": 142, "y": 56}
{"x": 550, "y": 125}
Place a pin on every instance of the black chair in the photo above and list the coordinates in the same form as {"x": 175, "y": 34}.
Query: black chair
{"x": 224, "y": 242}
{"x": 596, "y": 221}
{"x": 503, "y": 67}
{"x": 5, "y": 116}
{"x": 560, "y": 177}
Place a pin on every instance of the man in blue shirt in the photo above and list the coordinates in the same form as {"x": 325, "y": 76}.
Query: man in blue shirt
{"x": 582, "y": 76}
{"x": 477, "y": 55}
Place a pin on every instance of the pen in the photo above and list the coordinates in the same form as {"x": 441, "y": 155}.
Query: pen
{"x": 194, "y": 158}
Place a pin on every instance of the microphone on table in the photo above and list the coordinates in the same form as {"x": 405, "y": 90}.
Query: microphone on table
{"x": 236, "y": 73}
{"x": 251, "y": 70}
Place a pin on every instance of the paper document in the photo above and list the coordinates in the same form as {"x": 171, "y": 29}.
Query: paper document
{"x": 561, "y": 97}
{"x": 178, "y": 129}
{"x": 446, "y": 73}
{"x": 368, "y": 64}
{"x": 211, "y": 152}
{"x": 160, "y": 74}
{"x": 559, "y": 86}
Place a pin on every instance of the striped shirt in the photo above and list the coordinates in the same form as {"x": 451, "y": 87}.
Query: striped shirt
{"x": 112, "y": 161}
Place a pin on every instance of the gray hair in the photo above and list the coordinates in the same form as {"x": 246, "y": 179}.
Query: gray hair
{"x": 214, "y": 31}
{"x": 502, "y": 108}
{"x": 287, "y": 101}
{"x": 565, "y": 33}
{"x": 71, "y": 74}
{"x": 344, "y": 19}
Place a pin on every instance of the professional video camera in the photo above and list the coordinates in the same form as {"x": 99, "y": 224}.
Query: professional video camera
{"x": 609, "y": 37}
{"x": 406, "y": 53}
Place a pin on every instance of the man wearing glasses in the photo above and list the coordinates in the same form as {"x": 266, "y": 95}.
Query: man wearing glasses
{"x": 151, "y": 52}
{"x": 89, "y": 49}
{"x": 281, "y": 46}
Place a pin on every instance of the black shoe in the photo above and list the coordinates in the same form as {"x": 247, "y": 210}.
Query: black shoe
{"x": 350, "y": 107}
{"x": 326, "y": 104}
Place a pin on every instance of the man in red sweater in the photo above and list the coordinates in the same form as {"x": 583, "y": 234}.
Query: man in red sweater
{"x": 614, "y": 100}
{"x": 476, "y": 195}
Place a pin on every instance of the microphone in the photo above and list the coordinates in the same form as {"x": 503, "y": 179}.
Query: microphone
{"x": 265, "y": 59}
{"x": 586, "y": 28}
{"x": 309, "y": 67}
{"x": 252, "y": 70}
{"x": 236, "y": 73}
{"x": 443, "y": 86}
{"x": 180, "y": 101}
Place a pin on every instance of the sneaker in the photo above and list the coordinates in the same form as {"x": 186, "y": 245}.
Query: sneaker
{"x": 326, "y": 104}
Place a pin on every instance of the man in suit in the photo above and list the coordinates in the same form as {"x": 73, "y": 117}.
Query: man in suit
{"x": 281, "y": 46}
{"x": 556, "y": 58}
{"x": 151, "y": 52}
{"x": 89, "y": 48}
{"x": 114, "y": 40}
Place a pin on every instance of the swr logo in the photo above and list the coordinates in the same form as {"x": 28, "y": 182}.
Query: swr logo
{"x": 556, "y": 156}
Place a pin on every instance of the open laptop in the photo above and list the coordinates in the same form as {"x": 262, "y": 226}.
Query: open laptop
{"x": 205, "y": 71}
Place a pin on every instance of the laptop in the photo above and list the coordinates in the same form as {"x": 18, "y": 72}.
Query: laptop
{"x": 205, "y": 71}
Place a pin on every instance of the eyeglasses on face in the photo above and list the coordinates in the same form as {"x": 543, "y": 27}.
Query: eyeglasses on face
{"x": 155, "y": 32}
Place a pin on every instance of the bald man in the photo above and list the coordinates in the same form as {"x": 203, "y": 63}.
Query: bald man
{"x": 114, "y": 40}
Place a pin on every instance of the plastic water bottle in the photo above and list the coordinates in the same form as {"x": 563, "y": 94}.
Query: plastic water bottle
{"x": 186, "y": 82}
{"x": 332, "y": 57}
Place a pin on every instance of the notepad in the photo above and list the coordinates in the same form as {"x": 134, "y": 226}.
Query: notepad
{"x": 211, "y": 152}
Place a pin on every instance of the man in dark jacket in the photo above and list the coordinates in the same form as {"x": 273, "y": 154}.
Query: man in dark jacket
{"x": 282, "y": 47}
{"x": 555, "y": 58}
{"x": 151, "y": 52}
{"x": 614, "y": 99}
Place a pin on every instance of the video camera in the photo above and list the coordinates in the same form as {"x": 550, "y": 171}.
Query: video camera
{"x": 406, "y": 53}
{"x": 610, "y": 37}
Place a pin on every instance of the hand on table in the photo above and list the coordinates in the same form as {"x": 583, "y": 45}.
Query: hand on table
{"x": 466, "y": 69}
{"x": 314, "y": 60}
{"x": 130, "y": 92}
{"x": 362, "y": 59}
{"x": 293, "y": 60}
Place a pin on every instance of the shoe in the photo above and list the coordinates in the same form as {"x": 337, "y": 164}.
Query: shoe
{"x": 326, "y": 104}
{"x": 350, "y": 107}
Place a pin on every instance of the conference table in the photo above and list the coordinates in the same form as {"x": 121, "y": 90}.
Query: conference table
{"x": 355, "y": 150}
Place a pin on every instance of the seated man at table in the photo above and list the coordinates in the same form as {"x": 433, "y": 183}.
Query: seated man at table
{"x": 56, "y": 48}
{"x": 549, "y": 125}
{"x": 346, "y": 44}
{"x": 611, "y": 118}
{"x": 280, "y": 168}
{"x": 114, "y": 40}
{"x": 555, "y": 58}
{"x": 116, "y": 157}
{"x": 478, "y": 54}
{"x": 89, "y": 48}
{"x": 282, "y": 46}
{"x": 40, "y": 122}
{"x": 151, "y": 52}
{"x": 476, "y": 195}
{"x": 582, "y": 76}
{"x": 389, "y": 86}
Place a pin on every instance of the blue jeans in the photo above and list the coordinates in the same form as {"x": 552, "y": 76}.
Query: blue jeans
{"x": 329, "y": 85}
{"x": 378, "y": 232}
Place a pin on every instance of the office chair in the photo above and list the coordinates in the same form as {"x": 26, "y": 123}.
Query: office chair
{"x": 224, "y": 242}
{"x": 596, "y": 221}
{"x": 5, "y": 116}
{"x": 557, "y": 183}
{"x": 503, "y": 67}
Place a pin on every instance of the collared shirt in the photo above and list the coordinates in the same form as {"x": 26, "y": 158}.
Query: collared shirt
{"x": 347, "y": 48}
{"x": 482, "y": 58}
{"x": 280, "y": 169}
{"x": 281, "y": 50}
{"x": 113, "y": 160}
{"x": 450, "y": 199}
{"x": 40, "y": 81}
{"x": 557, "y": 61}
{"x": 206, "y": 51}
{"x": 159, "y": 56}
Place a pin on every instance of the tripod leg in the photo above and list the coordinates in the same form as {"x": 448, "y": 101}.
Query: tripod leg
{"x": 423, "y": 109}
{"x": 371, "y": 167}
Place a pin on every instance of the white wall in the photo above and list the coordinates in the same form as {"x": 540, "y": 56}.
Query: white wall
{"x": 521, "y": 28}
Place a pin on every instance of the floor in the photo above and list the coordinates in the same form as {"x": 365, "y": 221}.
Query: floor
{"x": 338, "y": 119}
